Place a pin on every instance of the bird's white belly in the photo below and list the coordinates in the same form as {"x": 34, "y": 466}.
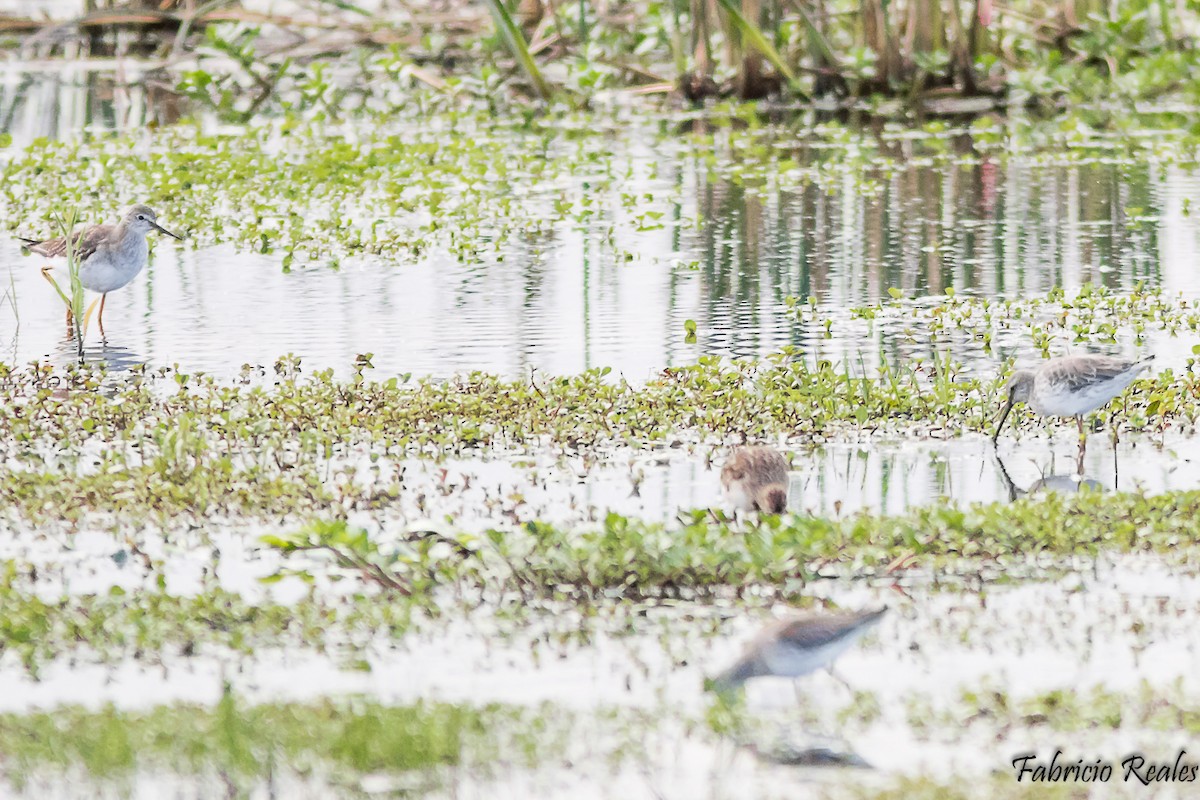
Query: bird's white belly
{"x": 738, "y": 497}
{"x": 791, "y": 661}
{"x": 101, "y": 274}
{"x": 1055, "y": 401}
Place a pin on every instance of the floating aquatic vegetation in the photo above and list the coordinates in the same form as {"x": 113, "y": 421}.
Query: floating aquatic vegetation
{"x": 329, "y": 741}
{"x": 177, "y": 424}
{"x": 405, "y": 577}
{"x": 705, "y": 553}
{"x": 154, "y": 625}
{"x": 382, "y": 187}
{"x": 938, "y": 333}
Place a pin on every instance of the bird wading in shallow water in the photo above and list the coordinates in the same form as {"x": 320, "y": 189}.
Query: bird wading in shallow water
{"x": 756, "y": 479}
{"x": 1070, "y": 386}
{"x": 109, "y": 256}
{"x": 795, "y": 646}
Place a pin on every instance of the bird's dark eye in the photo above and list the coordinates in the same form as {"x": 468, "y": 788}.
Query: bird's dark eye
{"x": 142, "y": 217}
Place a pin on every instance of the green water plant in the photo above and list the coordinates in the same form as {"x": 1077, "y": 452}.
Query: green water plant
{"x": 515, "y": 40}
{"x": 702, "y": 554}
{"x": 417, "y": 562}
{"x": 200, "y": 440}
{"x": 152, "y": 625}
{"x": 329, "y": 741}
{"x": 74, "y": 297}
{"x": 752, "y": 35}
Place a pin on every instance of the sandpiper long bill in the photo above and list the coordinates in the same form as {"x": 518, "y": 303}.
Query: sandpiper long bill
{"x": 109, "y": 256}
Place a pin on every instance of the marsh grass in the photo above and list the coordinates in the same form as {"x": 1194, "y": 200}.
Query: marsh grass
{"x": 515, "y": 40}
{"x": 851, "y": 52}
{"x": 74, "y": 298}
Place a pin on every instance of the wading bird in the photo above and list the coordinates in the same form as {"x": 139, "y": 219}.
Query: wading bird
{"x": 109, "y": 256}
{"x": 756, "y": 479}
{"x": 797, "y": 645}
{"x": 1070, "y": 386}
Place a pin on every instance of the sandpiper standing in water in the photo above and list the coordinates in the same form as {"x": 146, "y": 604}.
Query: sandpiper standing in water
{"x": 756, "y": 479}
{"x": 1071, "y": 386}
{"x": 797, "y": 645}
{"x": 109, "y": 256}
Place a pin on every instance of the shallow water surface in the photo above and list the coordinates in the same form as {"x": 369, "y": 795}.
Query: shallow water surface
{"x": 1126, "y": 624}
{"x": 617, "y": 292}
{"x": 562, "y": 303}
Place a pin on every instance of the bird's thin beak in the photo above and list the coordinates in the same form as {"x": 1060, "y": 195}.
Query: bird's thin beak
{"x": 1003, "y": 418}
{"x": 164, "y": 230}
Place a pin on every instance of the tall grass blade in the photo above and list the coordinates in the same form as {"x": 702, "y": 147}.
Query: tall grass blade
{"x": 676, "y": 38}
{"x": 816, "y": 39}
{"x": 346, "y": 6}
{"x": 754, "y": 37}
{"x": 75, "y": 300}
{"x": 518, "y": 46}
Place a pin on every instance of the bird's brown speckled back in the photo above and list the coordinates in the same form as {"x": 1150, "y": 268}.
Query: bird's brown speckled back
{"x": 759, "y": 475}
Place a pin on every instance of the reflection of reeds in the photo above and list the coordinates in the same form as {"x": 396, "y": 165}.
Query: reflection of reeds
{"x": 10, "y": 296}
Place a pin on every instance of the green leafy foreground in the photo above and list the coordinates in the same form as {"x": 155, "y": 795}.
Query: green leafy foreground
{"x": 715, "y": 400}
{"x": 707, "y": 553}
{"x": 418, "y": 575}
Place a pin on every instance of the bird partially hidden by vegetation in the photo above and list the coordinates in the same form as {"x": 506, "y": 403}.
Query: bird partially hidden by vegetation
{"x": 795, "y": 646}
{"x": 1070, "y": 386}
{"x": 108, "y": 256}
{"x": 756, "y": 479}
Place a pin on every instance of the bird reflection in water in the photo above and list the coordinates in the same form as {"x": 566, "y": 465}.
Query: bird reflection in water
{"x": 1061, "y": 483}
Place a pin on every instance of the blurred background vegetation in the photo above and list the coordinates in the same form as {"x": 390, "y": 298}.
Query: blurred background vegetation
{"x": 939, "y": 54}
